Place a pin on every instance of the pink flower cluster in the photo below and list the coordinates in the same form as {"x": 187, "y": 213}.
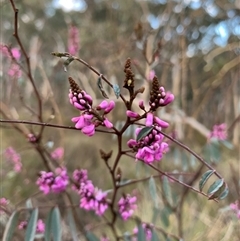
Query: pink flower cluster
{"x": 219, "y": 132}
{"x": 236, "y": 208}
{"x": 150, "y": 148}
{"x": 126, "y": 206}
{"x": 14, "y": 70}
{"x": 39, "y": 229}
{"x": 73, "y": 40}
{"x": 90, "y": 118}
{"x": 147, "y": 229}
{"x": 32, "y": 138}
{"x": 91, "y": 198}
{"x": 57, "y": 154}
{"x": 3, "y": 203}
{"x": 12, "y": 156}
{"x": 50, "y": 182}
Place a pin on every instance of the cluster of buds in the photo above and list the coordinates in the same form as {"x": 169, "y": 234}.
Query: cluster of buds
{"x": 50, "y": 182}
{"x": 90, "y": 117}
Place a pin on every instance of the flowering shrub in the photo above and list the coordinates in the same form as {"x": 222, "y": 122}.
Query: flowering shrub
{"x": 148, "y": 147}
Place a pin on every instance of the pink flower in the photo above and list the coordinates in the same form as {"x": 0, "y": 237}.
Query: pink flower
{"x": 149, "y": 119}
{"x": 49, "y": 182}
{"x": 151, "y": 75}
{"x": 16, "y": 53}
{"x": 22, "y": 225}
{"x": 73, "y": 40}
{"x": 39, "y": 229}
{"x": 219, "y": 132}
{"x": 58, "y": 153}
{"x": 12, "y": 156}
{"x": 4, "y": 50}
{"x": 107, "y": 123}
{"x": 32, "y": 138}
{"x": 236, "y": 208}
{"x": 110, "y": 107}
{"x": 132, "y": 114}
{"x": 126, "y": 206}
{"x": 141, "y": 105}
{"x": 14, "y": 71}
{"x": 169, "y": 98}
{"x": 40, "y": 226}
{"x": 147, "y": 229}
{"x": 150, "y": 148}
{"x": 3, "y": 203}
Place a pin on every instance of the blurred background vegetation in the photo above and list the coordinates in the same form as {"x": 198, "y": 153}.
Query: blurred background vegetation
{"x": 192, "y": 46}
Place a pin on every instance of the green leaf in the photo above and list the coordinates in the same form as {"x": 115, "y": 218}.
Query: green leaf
{"x": 116, "y": 90}
{"x": 154, "y": 236}
{"x": 91, "y": 237}
{"x": 224, "y": 193}
{"x": 227, "y": 144}
{"x": 215, "y": 186}
{"x": 155, "y": 213}
{"x": 141, "y": 233}
{"x": 127, "y": 236}
{"x": 153, "y": 191}
{"x": 167, "y": 190}
{"x": 72, "y": 225}
{"x": 204, "y": 179}
{"x": 29, "y": 203}
{"x": 144, "y": 132}
{"x": 56, "y": 228}
{"x": 10, "y": 227}
{"x": 31, "y": 227}
{"x": 48, "y": 228}
{"x": 165, "y": 216}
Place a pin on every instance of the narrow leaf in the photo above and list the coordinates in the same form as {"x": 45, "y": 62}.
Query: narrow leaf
{"x": 154, "y": 236}
{"x": 153, "y": 191}
{"x": 91, "y": 237}
{"x": 116, "y": 90}
{"x": 141, "y": 234}
{"x": 31, "y": 227}
{"x": 167, "y": 190}
{"x": 99, "y": 83}
{"x": 227, "y": 144}
{"x": 72, "y": 225}
{"x": 204, "y": 179}
{"x": 165, "y": 216}
{"x": 224, "y": 193}
{"x": 47, "y": 233}
{"x": 10, "y": 227}
{"x": 29, "y": 203}
{"x": 144, "y": 132}
{"x": 215, "y": 186}
{"x": 56, "y": 229}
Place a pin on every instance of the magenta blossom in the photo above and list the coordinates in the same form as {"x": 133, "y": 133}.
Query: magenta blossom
{"x": 126, "y": 206}
{"x": 12, "y": 156}
{"x": 91, "y": 198}
{"x": 3, "y": 203}
{"x": 219, "y": 132}
{"x": 58, "y": 153}
{"x": 90, "y": 117}
{"x": 151, "y": 75}
{"x": 40, "y": 228}
{"x": 50, "y": 182}
{"x": 73, "y": 40}
{"x": 150, "y": 148}
{"x": 236, "y": 208}
{"x": 32, "y": 138}
{"x": 147, "y": 229}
